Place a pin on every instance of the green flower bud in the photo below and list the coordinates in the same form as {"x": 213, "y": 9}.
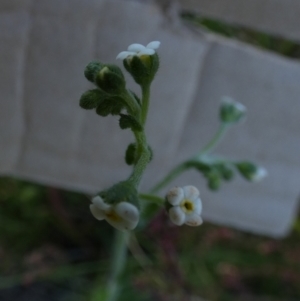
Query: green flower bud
{"x": 142, "y": 68}
{"x": 225, "y": 171}
{"x": 251, "y": 172}
{"x": 214, "y": 181}
{"x": 231, "y": 111}
{"x": 141, "y": 62}
{"x": 110, "y": 79}
{"x": 91, "y": 98}
{"x": 92, "y": 69}
{"x": 110, "y": 105}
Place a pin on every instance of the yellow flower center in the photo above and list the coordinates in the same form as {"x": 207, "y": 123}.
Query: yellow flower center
{"x": 103, "y": 71}
{"x": 145, "y": 58}
{"x": 187, "y": 206}
{"x": 112, "y": 215}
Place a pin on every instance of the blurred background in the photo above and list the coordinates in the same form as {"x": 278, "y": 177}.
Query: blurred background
{"x": 50, "y": 246}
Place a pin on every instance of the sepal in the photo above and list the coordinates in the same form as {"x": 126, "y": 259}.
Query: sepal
{"x": 142, "y": 68}
{"x": 128, "y": 121}
{"x": 110, "y": 79}
{"x": 91, "y": 98}
{"x": 110, "y": 105}
{"x": 121, "y": 192}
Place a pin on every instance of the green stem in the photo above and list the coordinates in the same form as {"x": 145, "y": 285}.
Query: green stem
{"x": 117, "y": 264}
{"x": 152, "y": 198}
{"x": 145, "y": 103}
{"x": 175, "y": 172}
{"x": 214, "y": 141}
{"x": 143, "y": 155}
{"x": 132, "y": 105}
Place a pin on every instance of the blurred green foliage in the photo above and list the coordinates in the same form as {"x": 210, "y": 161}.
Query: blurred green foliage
{"x": 259, "y": 39}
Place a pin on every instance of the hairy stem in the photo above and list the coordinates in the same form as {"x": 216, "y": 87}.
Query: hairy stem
{"x": 143, "y": 155}
{"x": 176, "y": 171}
{"x": 145, "y": 103}
{"x": 209, "y": 147}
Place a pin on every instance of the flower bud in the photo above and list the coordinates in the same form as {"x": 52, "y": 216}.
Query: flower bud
{"x": 91, "y": 98}
{"x": 214, "y": 181}
{"x": 110, "y": 79}
{"x": 92, "y": 69}
{"x": 251, "y": 172}
{"x": 231, "y": 111}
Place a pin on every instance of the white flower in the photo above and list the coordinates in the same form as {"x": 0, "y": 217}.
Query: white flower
{"x": 186, "y": 206}
{"x": 123, "y": 215}
{"x": 139, "y": 50}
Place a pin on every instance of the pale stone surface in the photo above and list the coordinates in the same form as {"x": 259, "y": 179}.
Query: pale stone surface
{"x": 46, "y": 137}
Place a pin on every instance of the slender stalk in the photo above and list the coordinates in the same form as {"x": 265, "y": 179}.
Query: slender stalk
{"x": 152, "y": 198}
{"x": 143, "y": 155}
{"x": 117, "y": 264}
{"x": 175, "y": 172}
{"x": 209, "y": 147}
{"x": 132, "y": 105}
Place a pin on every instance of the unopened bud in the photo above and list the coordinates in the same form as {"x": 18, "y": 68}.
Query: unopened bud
{"x": 251, "y": 172}
{"x": 231, "y": 111}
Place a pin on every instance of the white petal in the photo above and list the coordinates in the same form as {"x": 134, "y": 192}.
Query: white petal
{"x": 191, "y": 192}
{"x": 175, "y": 196}
{"x": 124, "y": 54}
{"x": 177, "y": 216}
{"x": 127, "y": 211}
{"x": 97, "y": 213}
{"x": 197, "y": 206}
{"x": 146, "y": 51}
{"x": 99, "y": 203}
{"x": 193, "y": 220}
{"x": 153, "y": 45}
{"x": 136, "y": 47}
